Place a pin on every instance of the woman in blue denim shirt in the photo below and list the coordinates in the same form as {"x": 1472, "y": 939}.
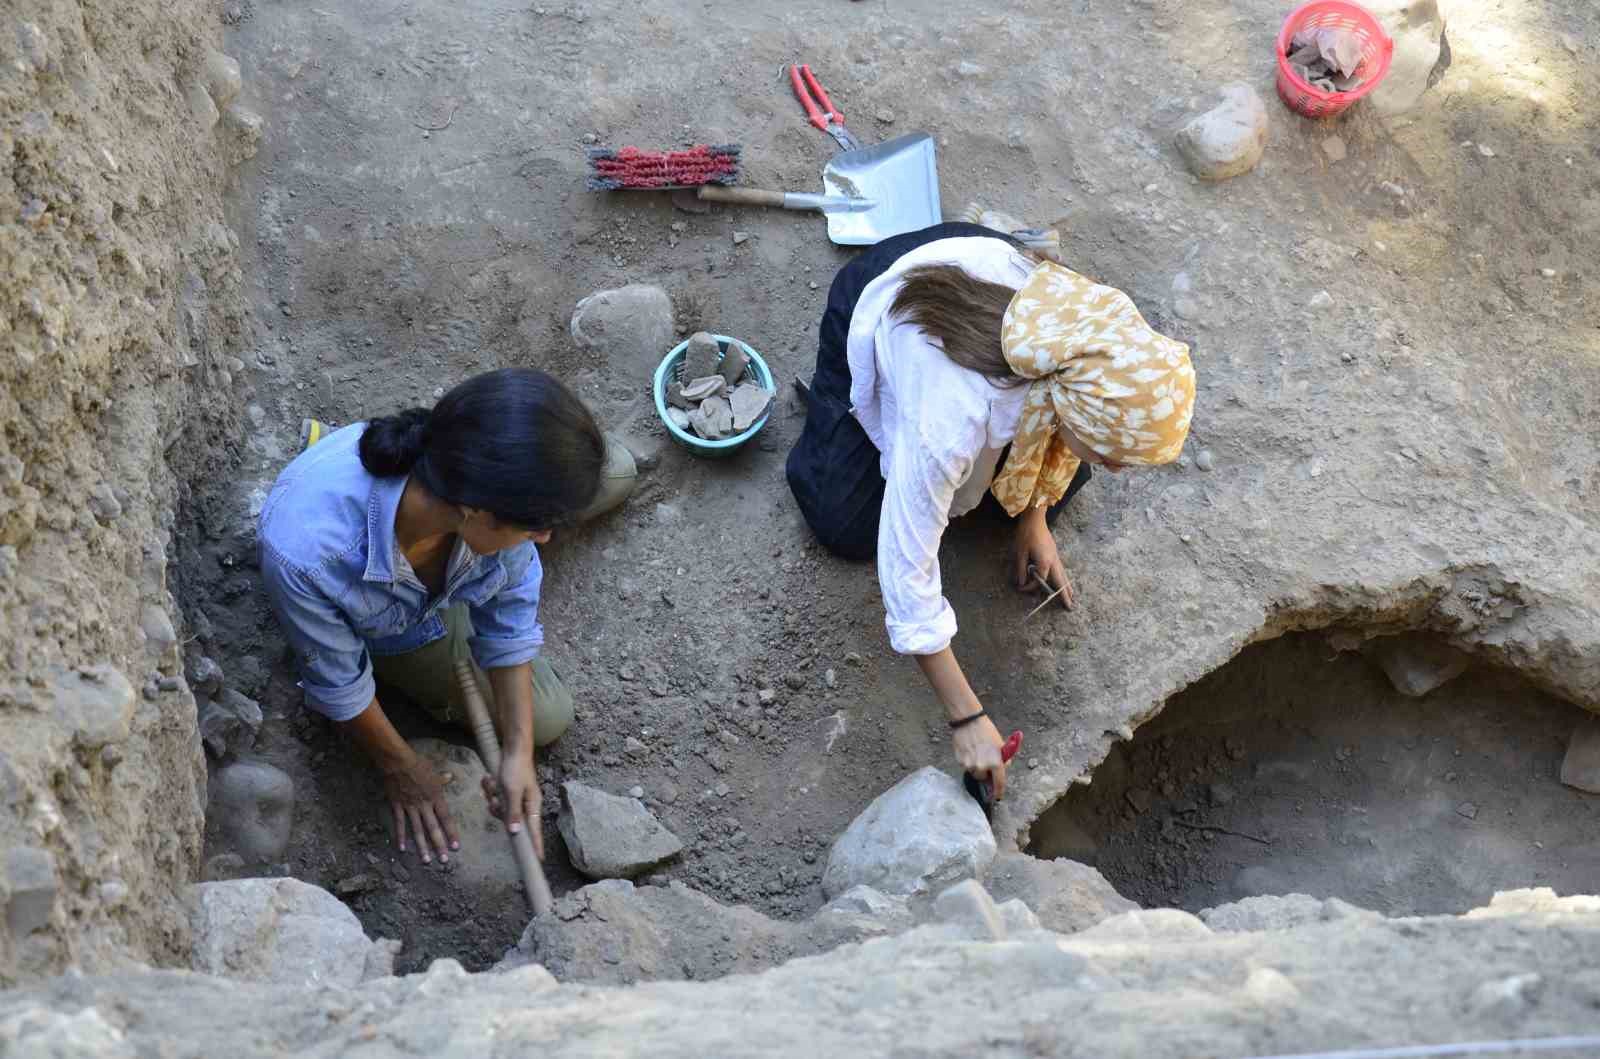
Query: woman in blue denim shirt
{"x": 391, "y": 548}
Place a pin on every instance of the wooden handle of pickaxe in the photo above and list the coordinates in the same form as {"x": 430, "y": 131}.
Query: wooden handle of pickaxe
{"x": 533, "y": 881}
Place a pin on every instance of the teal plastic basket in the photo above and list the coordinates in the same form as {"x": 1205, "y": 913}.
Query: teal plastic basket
{"x": 671, "y": 370}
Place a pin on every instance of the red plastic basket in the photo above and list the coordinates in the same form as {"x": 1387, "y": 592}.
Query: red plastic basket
{"x": 1377, "y": 50}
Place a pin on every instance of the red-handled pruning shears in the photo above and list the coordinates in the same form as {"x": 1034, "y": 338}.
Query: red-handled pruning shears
{"x": 982, "y": 791}
{"x": 819, "y": 108}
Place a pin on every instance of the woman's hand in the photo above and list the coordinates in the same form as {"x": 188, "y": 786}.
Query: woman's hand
{"x": 514, "y": 797}
{"x": 978, "y": 749}
{"x": 1034, "y": 545}
{"x": 416, "y": 797}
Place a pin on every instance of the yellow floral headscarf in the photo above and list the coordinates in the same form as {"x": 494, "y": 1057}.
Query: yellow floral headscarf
{"x": 1099, "y": 370}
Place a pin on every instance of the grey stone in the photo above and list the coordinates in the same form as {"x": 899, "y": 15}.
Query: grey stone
{"x": 96, "y": 703}
{"x": 30, "y": 882}
{"x": 874, "y": 911}
{"x": 1204, "y": 460}
{"x": 632, "y": 326}
{"x": 922, "y": 834}
{"x": 749, "y": 403}
{"x": 699, "y": 389}
{"x": 103, "y": 503}
{"x": 281, "y": 931}
{"x": 253, "y": 805}
{"x": 241, "y": 129}
{"x": 157, "y": 626}
{"x": 202, "y": 106}
{"x": 968, "y": 906}
{"x": 734, "y": 363}
{"x": 1580, "y": 768}
{"x": 1065, "y": 895}
{"x": 1267, "y": 912}
{"x": 609, "y": 837}
{"x": 221, "y": 76}
{"x": 228, "y": 723}
{"x": 205, "y": 676}
{"x": 1228, "y": 139}
{"x": 1149, "y": 925}
{"x": 1416, "y": 29}
{"x": 1417, "y": 664}
{"x": 1334, "y": 147}
{"x": 613, "y": 932}
{"x": 702, "y": 356}
{"x": 679, "y": 417}
{"x": 718, "y": 417}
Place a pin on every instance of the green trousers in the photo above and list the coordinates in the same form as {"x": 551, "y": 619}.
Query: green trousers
{"x": 427, "y": 676}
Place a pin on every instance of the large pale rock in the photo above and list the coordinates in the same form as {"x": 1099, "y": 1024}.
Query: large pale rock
{"x": 1417, "y": 664}
{"x": 1280, "y": 912}
{"x": 1229, "y": 138}
{"x": 1417, "y": 27}
{"x": 253, "y": 806}
{"x": 484, "y": 859}
{"x": 631, "y": 326}
{"x": 1580, "y": 767}
{"x": 968, "y": 907}
{"x": 930, "y": 991}
{"x": 610, "y": 837}
{"x": 1065, "y": 895}
{"x": 221, "y": 76}
{"x": 612, "y": 932}
{"x": 920, "y": 835}
{"x": 281, "y": 931}
{"x": 865, "y": 910}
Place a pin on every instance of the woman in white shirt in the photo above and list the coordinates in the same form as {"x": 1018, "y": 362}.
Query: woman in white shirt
{"x": 956, "y": 370}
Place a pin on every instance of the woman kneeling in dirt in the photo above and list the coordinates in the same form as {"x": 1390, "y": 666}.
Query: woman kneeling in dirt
{"x": 394, "y": 547}
{"x": 954, "y": 370}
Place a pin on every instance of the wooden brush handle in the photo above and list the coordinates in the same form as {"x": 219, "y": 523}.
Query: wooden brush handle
{"x": 533, "y": 880}
{"x": 740, "y": 196}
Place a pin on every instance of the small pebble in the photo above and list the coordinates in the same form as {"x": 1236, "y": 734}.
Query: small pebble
{"x": 1334, "y": 148}
{"x": 1394, "y": 189}
{"x": 723, "y": 790}
{"x": 886, "y": 117}
{"x": 1320, "y": 300}
{"x": 1468, "y": 810}
{"x": 1033, "y": 762}
{"x": 636, "y": 792}
{"x": 813, "y": 284}
{"x": 1204, "y": 460}
{"x": 1347, "y": 357}
{"x": 852, "y": 658}
{"x": 1548, "y": 273}
{"x": 1569, "y": 42}
{"x": 1485, "y": 150}
{"x": 740, "y": 237}
{"x": 830, "y": 678}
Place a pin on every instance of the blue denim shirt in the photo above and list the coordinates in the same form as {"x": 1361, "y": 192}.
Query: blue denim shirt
{"x": 341, "y": 588}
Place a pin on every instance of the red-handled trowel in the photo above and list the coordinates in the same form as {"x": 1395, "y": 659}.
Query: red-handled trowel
{"x": 982, "y": 791}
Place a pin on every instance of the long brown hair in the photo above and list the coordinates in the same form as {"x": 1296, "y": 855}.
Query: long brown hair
{"x": 963, "y": 313}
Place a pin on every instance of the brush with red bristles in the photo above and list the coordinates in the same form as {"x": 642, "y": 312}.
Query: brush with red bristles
{"x": 632, "y": 169}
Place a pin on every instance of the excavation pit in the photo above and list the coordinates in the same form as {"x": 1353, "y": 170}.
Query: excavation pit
{"x": 1296, "y": 769}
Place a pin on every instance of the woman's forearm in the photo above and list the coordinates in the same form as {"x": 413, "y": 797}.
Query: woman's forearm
{"x": 949, "y": 684}
{"x": 513, "y": 699}
{"x": 376, "y": 736}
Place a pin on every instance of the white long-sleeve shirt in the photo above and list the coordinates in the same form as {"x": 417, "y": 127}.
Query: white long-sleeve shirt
{"x": 939, "y": 427}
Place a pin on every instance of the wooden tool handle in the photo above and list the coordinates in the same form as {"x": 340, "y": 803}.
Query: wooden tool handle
{"x": 740, "y": 196}
{"x": 533, "y": 881}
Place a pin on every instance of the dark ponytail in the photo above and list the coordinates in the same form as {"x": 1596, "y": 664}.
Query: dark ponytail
{"x": 514, "y": 442}
{"x": 392, "y": 445}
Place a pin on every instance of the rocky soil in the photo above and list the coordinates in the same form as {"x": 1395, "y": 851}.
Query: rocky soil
{"x": 120, "y": 296}
{"x": 1157, "y": 983}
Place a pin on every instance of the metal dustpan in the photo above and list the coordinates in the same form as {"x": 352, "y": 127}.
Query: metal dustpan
{"x": 900, "y": 177}
{"x": 869, "y": 193}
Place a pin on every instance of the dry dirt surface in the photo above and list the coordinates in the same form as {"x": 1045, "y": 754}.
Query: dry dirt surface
{"x": 1415, "y": 449}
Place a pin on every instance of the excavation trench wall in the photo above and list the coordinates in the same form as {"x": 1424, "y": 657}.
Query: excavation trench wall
{"x": 119, "y": 317}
